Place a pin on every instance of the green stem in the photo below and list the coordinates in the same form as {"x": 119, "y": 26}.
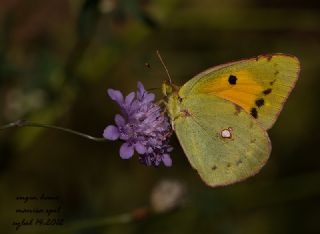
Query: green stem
{"x": 22, "y": 123}
{"x": 94, "y": 223}
{"x": 135, "y": 215}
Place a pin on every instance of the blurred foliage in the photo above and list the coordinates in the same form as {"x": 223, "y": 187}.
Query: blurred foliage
{"x": 57, "y": 59}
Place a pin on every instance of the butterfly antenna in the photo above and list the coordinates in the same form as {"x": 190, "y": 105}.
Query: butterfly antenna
{"x": 164, "y": 65}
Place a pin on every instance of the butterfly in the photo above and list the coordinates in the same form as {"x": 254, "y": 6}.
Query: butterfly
{"x": 221, "y": 116}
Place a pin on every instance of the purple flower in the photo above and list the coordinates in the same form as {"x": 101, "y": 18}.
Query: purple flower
{"x": 142, "y": 126}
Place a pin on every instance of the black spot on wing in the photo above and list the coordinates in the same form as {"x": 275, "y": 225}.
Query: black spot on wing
{"x": 260, "y": 102}
{"x": 272, "y": 82}
{"x": 267, "y": 91}
{"x": 214, "y": 167}
{"x": 232, "y": 79}
{"x": 254, "y": 112}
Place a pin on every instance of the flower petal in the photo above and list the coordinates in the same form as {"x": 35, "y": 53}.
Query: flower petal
{"x": 134, "y": 107}
{"x": 120, "y": 121}
{"x": 116, "y": 95}
{"x": 129, "y": 98}
{"x": 167, "y": 161}
{"x": 140, "y": 87}
{"x": 149, "y": 98}
{"x": 140, "y": 148}
{"x": 126, "y": 151}
{"x": 141, "y": 90}
{"x": 111, "y": 133}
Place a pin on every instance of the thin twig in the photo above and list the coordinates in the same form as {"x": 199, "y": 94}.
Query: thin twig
{"x": 135, "y": 215}
{"x": 23, "y": 123}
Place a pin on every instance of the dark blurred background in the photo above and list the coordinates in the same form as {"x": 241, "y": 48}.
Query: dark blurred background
{"x": 58, "y": 58}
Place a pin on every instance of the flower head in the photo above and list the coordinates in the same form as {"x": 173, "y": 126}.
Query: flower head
{"x": 142, "y": 125}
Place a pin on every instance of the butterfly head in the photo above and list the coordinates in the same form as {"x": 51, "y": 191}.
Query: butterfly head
{"x": 168, "y": 88}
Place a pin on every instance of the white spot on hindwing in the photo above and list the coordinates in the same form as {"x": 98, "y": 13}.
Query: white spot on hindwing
{"x": 226, "y": 133}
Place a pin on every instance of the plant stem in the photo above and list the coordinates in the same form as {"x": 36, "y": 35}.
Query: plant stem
{"x": 135, "y": 215}
{"x": 23, "y": 123}
{"x": 94, "y": 223}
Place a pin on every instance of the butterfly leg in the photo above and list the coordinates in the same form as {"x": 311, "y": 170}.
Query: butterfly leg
{"x": 162, "y": 102}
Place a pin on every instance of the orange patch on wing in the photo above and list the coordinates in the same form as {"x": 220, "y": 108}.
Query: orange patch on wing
{"x": 244, "y": 93}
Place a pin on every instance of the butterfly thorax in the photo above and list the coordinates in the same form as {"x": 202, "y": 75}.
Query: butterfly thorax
{"x": 171, "y": 92}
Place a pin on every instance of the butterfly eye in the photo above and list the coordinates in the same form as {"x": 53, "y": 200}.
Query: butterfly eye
{"x": 179, "y": 99}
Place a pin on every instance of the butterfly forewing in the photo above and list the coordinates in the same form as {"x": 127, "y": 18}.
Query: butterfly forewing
{"x": 259, "y": 85}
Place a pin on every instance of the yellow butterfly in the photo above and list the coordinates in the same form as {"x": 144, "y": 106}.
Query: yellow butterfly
{"x": 221, "y": 116}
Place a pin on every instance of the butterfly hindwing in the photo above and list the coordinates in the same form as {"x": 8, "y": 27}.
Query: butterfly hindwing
{"x": 224, "y": 143}
{"x": 259, "y": 85}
